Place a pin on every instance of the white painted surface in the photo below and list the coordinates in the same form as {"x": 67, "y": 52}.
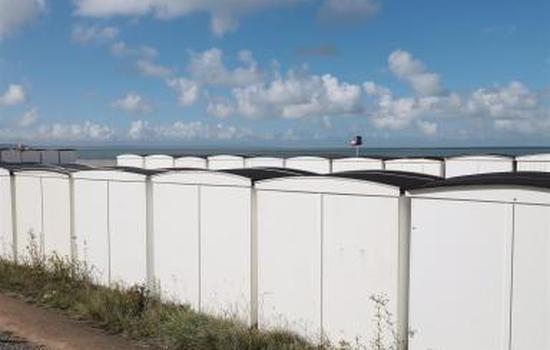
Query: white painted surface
{"x": 360, "y": 260}
{"x": 221, "y": 162}
{"x": 57, "y": 220}
{"x": 130, "y": 160}
{"x": 460, "y": 275}
{"x": 49, "y": 156}
{"x": 91, "y": 226}
{"x": 225, "y": 251}
{"x": 325, "y": 245}
{"x": 202, "y": 233}
{"x": 29, "y": 216}
{"x": 10, "y": 156}
{"x": 432, "y": 167}
{"x": 264, "y": 162}
{"x": 30, "y": 156}
{"x": 67, "y": 156}
{"x": 289, "y": 255}
{"x": 127, "y": 227}
{"x": 6, "y": 223}
{"x": 191, "y": 162}
{"x": 531, "y": 302}
{"x": 354, "y": 163}
{"x": 314, "y": 164}
{"x": 534, "y": 162}
{"x": 468, "y": 165}
{"x": 176, "y": 241}
{"x": 158, "y": 161}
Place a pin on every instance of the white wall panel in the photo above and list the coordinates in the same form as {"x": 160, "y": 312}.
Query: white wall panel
{"x": 6, "y": 224}
{"x": 225, "y": 251}
{"x": 460, "y": 275}
{"x": 127, "y": 212}
{"x": 531, "y": 291}
{"x": 130, "y": 160}
{"x": 57, "y": 220}
{"x": 352, "y": 164}
{"x": 289, "y": 262}
{"x": 176, "y": 242}
{"x": 360, "y": 260}
{"x": 29, "y": 216}
{"x": 91, "y": 226}
{"x": 313, "y": 164}
{"x": 265, "y": 162}
{"x": 190, "y": 162}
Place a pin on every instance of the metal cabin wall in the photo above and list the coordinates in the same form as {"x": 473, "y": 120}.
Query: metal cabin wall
{"x": 158, "y": 162}
{"x": 7, "y": 248}
{"x": 133, "y": 161}
{"x": 321, "y": 256}
{"x": 202, "y": 240}
{"x": 494, "y": 264}
{"x": 352, "y": 164}
{"x": 191, "y": 162}
{"x": 217, "y": 163}
{"x": 67, "y": 156}
{"x": 312, "y": 164}
{"x": 461, "y": 167}
{"x": 111, "y": 229}
{"x": 30, "y": 156}
{"x": 10, "y": 156}
{"x": 264, "y": 162}
{"x": 49, "y": 156}
{"x": 43, "y": 214}
{"x": 540, "y": 162}
{"x": 435, "y": 167}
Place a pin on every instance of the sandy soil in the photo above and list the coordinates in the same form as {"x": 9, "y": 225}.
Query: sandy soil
{"x": 53, "y": 330}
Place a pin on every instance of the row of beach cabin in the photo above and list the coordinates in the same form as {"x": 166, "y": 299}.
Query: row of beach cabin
{"x": 442, "y": 167}
{"x": 44, "y": 156}
{"x": 464, "y": 262}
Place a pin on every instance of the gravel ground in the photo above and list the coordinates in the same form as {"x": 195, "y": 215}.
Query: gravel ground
{"x": 9, "y": 342}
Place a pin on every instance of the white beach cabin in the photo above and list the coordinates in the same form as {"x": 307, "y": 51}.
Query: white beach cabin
{"x": 111, "y": 217}
{"x": 477, "y": 164}
{"x": 67, "y": 156}
{"x": 221, "y": 162}
{"x": 328, "y": 243}
{"x": 480, "y": 263}
{"x": 316, "y": 165}
{"x": 190, "y": 162}
{"x": 264, "y": 162}
{"x": 7, "y": 248}
{"x": 356, "y": 163}
{"x": 30, "y": 156}
{"x": 130, "y": 160}
{"x": 202, "y": 231}
{"x": 533, "y": 162}
{"x": 10, "y": 156}
{"x": 43, "y": 211}
{"x": 158, "y": 161}
{"x": 428, "y": 166}
{"x": 49, "y": 156}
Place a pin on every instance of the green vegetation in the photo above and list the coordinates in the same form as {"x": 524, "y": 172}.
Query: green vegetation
{"x": 139, "y": 315}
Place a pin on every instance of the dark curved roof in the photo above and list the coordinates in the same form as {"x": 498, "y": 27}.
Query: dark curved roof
{"x": 57, "y": 168}
{"x": 503, "y": 155}
{"x": 128, "y": 169}
{"x": 524, "y": 178}
{"x": 257, "y": 174}
{"x": 402, "y": 179}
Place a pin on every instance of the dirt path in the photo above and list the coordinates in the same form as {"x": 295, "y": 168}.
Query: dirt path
{"x": 54, "y": 330}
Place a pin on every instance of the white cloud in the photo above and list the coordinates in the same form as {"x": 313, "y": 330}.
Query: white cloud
{"x": 151, "y": 69}
{"x": 208, "y": 68}
{"x": 120, "y": 48}
{"x": 15, "y": 94}
{"x": 28, "y": 118}
{"x": 347, "y": 11}
{"x": 16, "y": 13}
{"x": 83, "y": 34}
{"x": 411, "y": 70}
{"x": 196, "y": 130}
{"x": 298, "y": 96}
{"x": 133, "y": 103}
{"x": 427, "y": 128}
{"x": 219, "y": 107}
{"x": 87, "y": 131}
{"x": 188, "y": 91}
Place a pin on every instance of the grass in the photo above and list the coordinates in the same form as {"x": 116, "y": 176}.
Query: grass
{"x": 137, "y": 314}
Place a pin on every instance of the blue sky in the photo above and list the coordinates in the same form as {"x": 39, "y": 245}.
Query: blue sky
{"x": 277, "y": 72}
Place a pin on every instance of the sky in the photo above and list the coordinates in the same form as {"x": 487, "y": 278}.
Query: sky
{"x": 275, "y": 72}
